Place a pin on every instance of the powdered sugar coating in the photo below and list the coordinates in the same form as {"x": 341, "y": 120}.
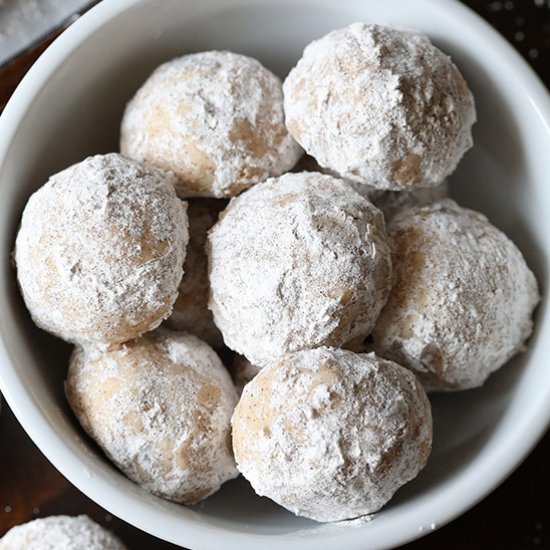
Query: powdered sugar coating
{"x": 330, "y": 434}
{"x": 389, "y": 202}
{"x": 60, "y": 533}
{"x": 100, "y": 250}
{"x": 215, "y": 119}
{"x": 380, "y": 106}
{"x": 191, "y": 313}
{"x": 462, "y": 300}
{"x": 160, "y": 407}
{"x": 297, "y": 262}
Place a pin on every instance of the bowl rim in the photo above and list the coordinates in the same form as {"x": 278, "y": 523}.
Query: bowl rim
{"x": 495, "y": 466}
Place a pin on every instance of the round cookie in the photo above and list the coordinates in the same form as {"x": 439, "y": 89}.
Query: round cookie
{"x": 191, "y": 313}
{"x": 215, "y": 119}
{"x": 297, "y": 262}
{"x": 330, "y": 434}
{"x": 160, "y": 408}
{"x": 380, "y": 106}
{"x": 462, "y": 300}
{"x": 100, "y": 250}
{"x": 60, "y": 532}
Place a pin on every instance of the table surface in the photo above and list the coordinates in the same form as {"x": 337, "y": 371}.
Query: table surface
{"x": 516, "y": 516}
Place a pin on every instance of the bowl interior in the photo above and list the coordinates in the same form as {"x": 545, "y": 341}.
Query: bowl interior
{"x": 70, "y": 107}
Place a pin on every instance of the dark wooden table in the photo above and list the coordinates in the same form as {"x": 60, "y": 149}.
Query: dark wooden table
{"x": 515, "y": 517}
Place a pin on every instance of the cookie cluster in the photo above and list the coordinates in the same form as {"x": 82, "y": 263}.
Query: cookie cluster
{"x": 344, "y": 283}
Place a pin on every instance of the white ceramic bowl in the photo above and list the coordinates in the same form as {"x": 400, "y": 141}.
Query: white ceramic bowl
{"x": 69, "y": 106}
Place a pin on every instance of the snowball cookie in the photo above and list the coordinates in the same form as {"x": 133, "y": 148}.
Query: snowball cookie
{"x": 100, "y": 250}
{"x": 380, "y": 106}
{"x": 462, "y": 300}
{"x": 297, "y": 262}
{"x": 330, "y": 434}
{"x": 242, "y": 372}
{"x": 215, "y": 119}
{"x": 60, "y": 533}
{"x": 191, "y": 311}
{"x": 159, "y": 406}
